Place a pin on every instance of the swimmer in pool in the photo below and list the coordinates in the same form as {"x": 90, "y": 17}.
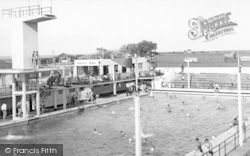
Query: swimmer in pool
{"x": 182, "y": 108}
{"x": 97, "y": 132}
{"x": 197, "y": 108}
{"x": 130, "y": 140}
{"x": 169, "y": 108}
{"x": 145, "y": 142}
{"x": 152, "y": 149}
{"x": 219, "y": 106}
{"x": 122, "y": 134}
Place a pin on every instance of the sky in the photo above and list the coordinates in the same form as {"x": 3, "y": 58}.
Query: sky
{"x": 84, "y": 25}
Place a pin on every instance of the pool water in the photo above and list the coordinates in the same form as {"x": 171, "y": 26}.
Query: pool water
{"x": 172, "y": 133}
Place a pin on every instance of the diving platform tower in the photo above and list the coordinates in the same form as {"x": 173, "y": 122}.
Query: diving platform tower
{"x": 25, "y": 58}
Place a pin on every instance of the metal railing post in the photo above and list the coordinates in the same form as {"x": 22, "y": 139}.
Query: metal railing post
{"x": 219, "y": 149}
{"x": 234, "y": 141}
{"x": 225, "y": 148}
{"x": 38, "y": 9}
{"x": 245, "y": 134}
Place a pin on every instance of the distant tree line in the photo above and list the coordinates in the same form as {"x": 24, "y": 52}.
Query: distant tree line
{"x": 142, "y": 49}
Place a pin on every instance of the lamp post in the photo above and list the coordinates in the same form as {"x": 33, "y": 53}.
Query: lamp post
{"x": 188, "y": 60}
{"x": 99, "y": 62}
{"x": 136, "y": 73}
{"x": 137, "y": 114}
{"x": 239, "y": 103}
{"x": 54, "y": 59}
{"x": 137, "y": 126}
{"x": 188, "y": 75}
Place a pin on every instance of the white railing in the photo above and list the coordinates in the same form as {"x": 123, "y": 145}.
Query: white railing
{"x": 26, "y": 11}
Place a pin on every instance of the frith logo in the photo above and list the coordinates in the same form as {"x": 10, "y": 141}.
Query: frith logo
{"x": 210, "y": 28}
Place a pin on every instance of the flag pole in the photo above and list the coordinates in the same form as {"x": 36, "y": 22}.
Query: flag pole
{"x": 239, "y": 103}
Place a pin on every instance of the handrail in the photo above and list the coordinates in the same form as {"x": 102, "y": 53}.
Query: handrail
{"x": 206, "y": 85}
{"x": 225, "y": 144}
{"x": 26, "y": 11}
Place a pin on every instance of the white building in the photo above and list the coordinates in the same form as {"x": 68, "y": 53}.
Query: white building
{"x": 108, "y": 66}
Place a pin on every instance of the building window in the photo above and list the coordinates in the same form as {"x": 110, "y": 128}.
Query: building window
{"x": 139, "y": 65}
{"x": 72, "y": 90}
{"x": 81, "y": 88}
{"x": 116, "y": 68}
{"x": 105, "y": 70}
{"x": 60, "y": 91}
{"x": 124, "y": 69}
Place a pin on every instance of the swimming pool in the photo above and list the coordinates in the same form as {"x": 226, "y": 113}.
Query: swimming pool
{"x": 173, "y": 133}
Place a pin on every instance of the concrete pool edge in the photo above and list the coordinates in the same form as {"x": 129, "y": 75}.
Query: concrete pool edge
{"x": 64, "y": 111}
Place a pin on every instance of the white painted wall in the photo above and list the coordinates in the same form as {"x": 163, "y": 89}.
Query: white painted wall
{"x": 111, "y": 69}
{"x": 30, "y": 42}
{"x": 17, "y": 45}
{"x": 110, "y": 63}
{"x": 120, "y": 68}
{"x": 145, "y": 64}
{"x": 24, "y": 40}
{"x": 5, "y": 80}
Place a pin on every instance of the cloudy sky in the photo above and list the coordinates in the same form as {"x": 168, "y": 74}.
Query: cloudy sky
{"x": 84, "y": 25}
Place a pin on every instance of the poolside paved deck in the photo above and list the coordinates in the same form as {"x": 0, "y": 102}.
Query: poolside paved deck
{"x": 51, "y": 112}
{"x": 242, "y": 151}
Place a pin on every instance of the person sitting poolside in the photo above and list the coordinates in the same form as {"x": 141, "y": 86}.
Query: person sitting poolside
{"x": 95, "y": 131}
{"x": 169, "y": 109}
{"x": 235, "y": 123}
{"x": 210, "y": 153}
{"x": 199, "y": 148}
{"x": 230, "y": 125}
{"x": 208, "y": 145}
{"x": 88, "y": 97}
{"x": 216, "y": 88}
{"x": 81, "y": 109}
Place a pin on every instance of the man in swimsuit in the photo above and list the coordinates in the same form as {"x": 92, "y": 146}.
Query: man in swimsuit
{"x": 208, "y": 145}
{"x": 198, "y": 145}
